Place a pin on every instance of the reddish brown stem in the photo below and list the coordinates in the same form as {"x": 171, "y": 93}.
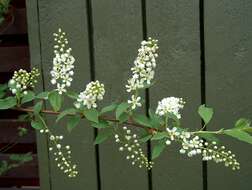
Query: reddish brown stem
{"x": 51, "y": 112}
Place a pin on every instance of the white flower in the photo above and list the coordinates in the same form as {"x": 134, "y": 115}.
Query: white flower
{"x": 170, "y": 105}
{"x": 167, "y": 142}
{"x": 12, "y": 81}
{"x": 61, "y": 88}
{"x": 135, "y": 102}
{"x": 144, "y": 65}
{"x": 63, "y": 63}
{"x": 94, "y": 91}
{"x": 173, "y": 133}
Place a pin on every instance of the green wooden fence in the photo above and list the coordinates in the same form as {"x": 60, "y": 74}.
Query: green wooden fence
{"x": 204, "y": 57}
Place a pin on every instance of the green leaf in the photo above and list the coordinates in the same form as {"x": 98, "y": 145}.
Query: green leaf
{"x": 43, "y": 95}
{"x": 205, "y": 113}
{"x": 175, "y": 121}
{"x": 208, "y": 137}
{"x": 21, "y": 157}
{"x": 247, "y": 129}
{"x": 121, "y": 108}
{"x": 100, "y": 125}
{"x": 155, "y": 120}
{"x": 37, "y": 125}
{"x": 55, "y": 100}
{"x": 159, "y": 136}
{"x": 72, "y": 95}
{"x": 69, "y": 111}
{"x": 242, "y": 123}
{"x": 22, "y": 131}
{"x": 142, "y": 120}
{"x": 239, "y": 134}
{"x": 28, "y": 97}
{"x": 4, "y": 166}
{"x": 7, "y": 103}
{"x": 123, "y": 117}
{"x": 92, "y": 115}
{"x": 2, "y": 94}
{"x": 38, "y": 107}
{"x": 73, "y": 122}
{"x": 158, "y": 149}
{"x": 109, "y": 108}
{"x": 103, "y": 135}
{"x": 24, "y": 117}
{"x": 3, "y": 87}
{"x": 145, "y": 138}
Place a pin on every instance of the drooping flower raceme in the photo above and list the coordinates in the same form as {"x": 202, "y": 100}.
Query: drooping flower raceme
{"x": 63, "y": 63}
{"x": 130, "y": 144}
{"x": 170, "y": 105}
{"x": 23, "y": 81}
{"x": 193, "y": 145}
{"x": 61, "y": 153}
{"x": 143, "y": 69}
{"x": 94, "y": 91}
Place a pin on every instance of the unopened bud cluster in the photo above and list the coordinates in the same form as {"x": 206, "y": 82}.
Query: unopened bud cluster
{"x": 62, "y": 154}
{"x": 129, "y": 143}
{"x": 193, "y": 145}
{"x": 88, "y": 98}
{"x": 63, "y": 63}
{"x": 23, "y": 81}
{"x": 220, "y": 155}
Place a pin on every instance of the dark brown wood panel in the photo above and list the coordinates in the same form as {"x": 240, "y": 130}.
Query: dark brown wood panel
{"x": 14, "y": 58}
{"x": 9, "y": 130}
{"x": 25, "y": 175}
{"x": 19, "y": 25}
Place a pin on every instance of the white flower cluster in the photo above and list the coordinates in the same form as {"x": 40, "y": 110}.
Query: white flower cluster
{"x": 94, "y": 91}
{"x": 144, "y": 65}
{"x": 131, "y": 145}
{"x": 62, "y": 154}
{"x": 170, "y": 105}
{"x": 63, "y": 63}
{"x": 23, "y": 80}
{"x": 143, "y": 70}
{"x": 192, "y": 145}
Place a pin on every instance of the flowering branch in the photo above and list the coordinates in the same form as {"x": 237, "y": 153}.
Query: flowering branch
{"x": 162, "y": 127}
{"x": 51, "y": 112}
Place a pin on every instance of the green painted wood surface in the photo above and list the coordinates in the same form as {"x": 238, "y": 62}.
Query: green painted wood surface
{"x": 35, "y": 59}
{"x": 228, "y": 82}
{"x": 70, "y": 15}
{"x": 117, "y": 36}
{"x": 175, "y": 24}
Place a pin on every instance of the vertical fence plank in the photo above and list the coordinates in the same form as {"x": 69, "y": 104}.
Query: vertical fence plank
{"x": 35, "y": 56}
{"x": 71, "y": 17}
{"x": 176, "y": 25}
{"x": 117, "y": 35}
{"x": 228, "y": 82}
